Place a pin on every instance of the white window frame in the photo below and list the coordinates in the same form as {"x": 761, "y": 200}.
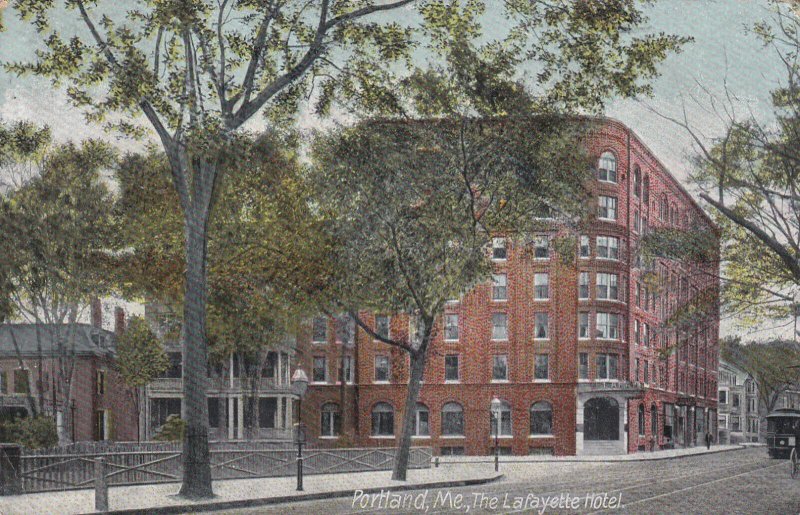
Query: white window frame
{"x": 501, "y": 338}
{"x": 448, "y": 317}
{"x": 388, "y": 370}
{"x": 497, "y": 244}
{"x": 499, "y": 284}
{"x": 536, "y": 325}
{"x": 608, "y": 281}
{"x": 541, "y": 280}
{"x": 610, "y": 205}
{"x": 502, "y": 358}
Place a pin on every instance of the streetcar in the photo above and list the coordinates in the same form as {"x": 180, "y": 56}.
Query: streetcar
{"x": 783, "y": 425}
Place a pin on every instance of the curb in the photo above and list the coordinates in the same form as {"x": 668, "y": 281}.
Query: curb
{"x": 250, "y": 503}
{"x": 581, "y": 460}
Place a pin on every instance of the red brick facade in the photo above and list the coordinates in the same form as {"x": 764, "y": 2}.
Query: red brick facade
{"x": 679, "y": 387}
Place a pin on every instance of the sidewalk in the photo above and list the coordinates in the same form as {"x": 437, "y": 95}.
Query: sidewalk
{"x": 638, "y": 456}
{"x": 239, "y": 493}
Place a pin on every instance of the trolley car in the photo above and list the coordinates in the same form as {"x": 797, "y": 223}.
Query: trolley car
{"x": 783, "y": 425}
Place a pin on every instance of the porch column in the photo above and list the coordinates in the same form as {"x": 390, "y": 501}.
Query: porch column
{"x": 279, "y": 413}
{"x": 289, "y": 417}
{"x": 231, "y": 407}
{"x": 240, "y": 427}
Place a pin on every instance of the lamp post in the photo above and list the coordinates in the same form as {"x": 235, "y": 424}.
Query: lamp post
{"x": 299, "y": 387}
{"x": 496, "y": 405}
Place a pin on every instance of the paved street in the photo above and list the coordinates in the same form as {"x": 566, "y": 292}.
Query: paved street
{"x": 745, "y": 482}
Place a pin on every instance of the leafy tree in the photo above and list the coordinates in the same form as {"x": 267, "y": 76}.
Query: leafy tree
{"x": 253, "y": 284}
{"x": 59, "y": 223}
{"x": 415, "y": 206}
{"x": 198, "y": 71}
{"x": 140, "y": 359}
{"x": 22, "y": 145}
{"x": 768, "y": 363}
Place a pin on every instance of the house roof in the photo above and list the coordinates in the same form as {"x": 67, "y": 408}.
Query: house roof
{"x": 80, "y": 339}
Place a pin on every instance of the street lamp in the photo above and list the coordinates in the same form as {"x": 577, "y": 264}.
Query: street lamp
{"x": 299, "y": 387}
{"x": 496, "y": 406}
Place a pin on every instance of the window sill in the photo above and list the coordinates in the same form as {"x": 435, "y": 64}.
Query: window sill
{"x": 541, "y": 380}
{"x": 500, "y": 381}
{"x": 447, "y": 340}
{"x": 545, "y": 339}
{"x": 452, "y": 437}
{"x": 603, "y": 219}
{"x": 382, "y": 437}
{"x": 415, "y": 437}
{"x": 499, "y": 300}
{"x": 584, "y": 380}
{"x": 328, "y": 437}
{"x": 541, "y": 299}
{"x": 456, "y": 381}
{"x": 317, "y": 383}
{"x": 381, "y": 382}
{"x": 502, "y": 437}
{"x": 600, "y": 258}
{"x": 319, "y": 342}
{"x": 536, "y": 437}
{"x": 499, "y": 260}
{"x": 500, "y": 340}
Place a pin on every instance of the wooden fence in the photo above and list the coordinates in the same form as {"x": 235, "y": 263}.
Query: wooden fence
{"x": 69, "y": 471}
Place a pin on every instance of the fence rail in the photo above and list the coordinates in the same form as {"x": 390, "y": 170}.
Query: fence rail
{"x": 64, "y": 471}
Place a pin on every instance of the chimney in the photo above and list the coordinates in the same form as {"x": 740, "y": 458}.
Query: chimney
{"x": 97, "y": 313}
{"x": 119, "y": 321}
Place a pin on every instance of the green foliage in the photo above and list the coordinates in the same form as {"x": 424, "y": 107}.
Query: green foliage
{"x": 453, "y": 184}
{"x": 60, "y": 225}
{"x": 772, "y": 364}
{"x": 140, "y": 354}
{"x": 257, "y": 290}
{"x": 31, "y": 432}
{"x": 173, "y": 430}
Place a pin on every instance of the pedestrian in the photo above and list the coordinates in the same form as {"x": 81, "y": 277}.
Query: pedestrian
{"x": 709, "y": 438}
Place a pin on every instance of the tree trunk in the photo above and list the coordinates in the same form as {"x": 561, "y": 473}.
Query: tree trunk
{"x": 196, "y": 457}
{"x": 414, "y": 384}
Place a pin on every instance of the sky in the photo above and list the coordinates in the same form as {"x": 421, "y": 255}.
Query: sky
{"x": 723, "y": 55}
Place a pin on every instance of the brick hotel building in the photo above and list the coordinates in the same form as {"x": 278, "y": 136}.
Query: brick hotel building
{"x": 577, "y": 352}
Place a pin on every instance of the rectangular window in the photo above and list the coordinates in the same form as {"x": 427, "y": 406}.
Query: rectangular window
{"x": 541, "y": 247}
{"x": 735, "y": 425}
{"x": 500, "y": 367}
{"x": 214, "y": 412}
{"x": 320, "y": 330}
{"x": 451, "y": 327}
{"x": 607, "y": 326}
{"x": 175, "y": 369}
{"x": 585, "y": 248}
{"x": 541, "y": 369}
{"x": 636, "y": 332}
{"x": 451, "y": 368}
{"x": 101, "y": 382}
{"x": 606, "y": 366}
{"x": 381, "y": 369}
{"x": 499, "y": 326}
{"x": 583, "y": 285}
{"x": 607, "y": 207}
{"x": 346, "y": 369}
{"x": 735, "y": 400}
{"x": 608, "y": 247}
{"x": 637, "y": 371}
{"x": 21, "y": 384}
{"x": 607, "y": 286}
{"x": 320, "y": 370}
{"x": 499, "y": 249}
{"x": 541, "y": 286}
{"x": 382, "y": 324}
{"x": 542, "y": 329}
{"x": 267, "y": 412}
{"x": 583, "y": 365}
{"x": 583, "y": 325}
{"x": 723, "y": 396}
{"x": 499, "y": 287}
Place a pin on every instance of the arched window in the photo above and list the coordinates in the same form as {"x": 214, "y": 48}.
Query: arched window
{"x": 663, "y": 211}
{"x": 654, "y": 421}
{"x": 542, "y": 418}
{"x": 607, "y": 167}
{"x": 637, "y": 182}
{"x": 501, "y": 421}
{"x": 452, "y": 419}
{"x": 421, "y": 426}
{"x": 383, "y": 419}
{"x": 641, "y": 419}
{"x": 646, "y": 190}
{"x": 330, "y": 423}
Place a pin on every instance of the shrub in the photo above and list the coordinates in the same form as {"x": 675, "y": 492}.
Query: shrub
{"x": 172, "y": 430}
{"x": 32, "y": 432}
